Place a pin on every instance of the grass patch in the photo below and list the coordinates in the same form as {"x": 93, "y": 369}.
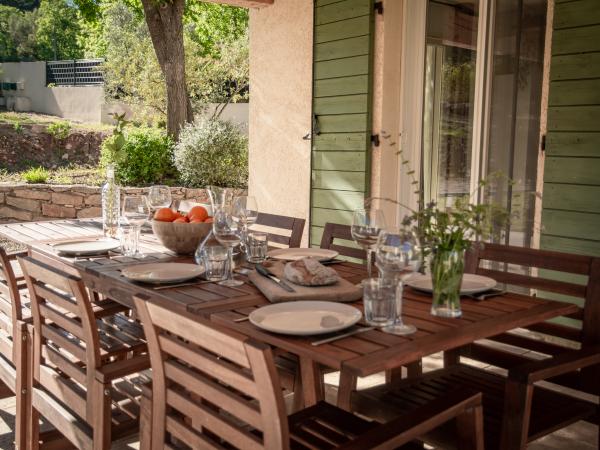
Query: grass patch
{"x": 13, "y": 118}
{"x": 91, "y": 176}
{"x": 35, "y": 175}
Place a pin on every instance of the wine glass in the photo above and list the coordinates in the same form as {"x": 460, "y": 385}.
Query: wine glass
{"x": 135, "y": 212}
{"x": 366, "y": 225}
{"x": 228, "y": 232}
{"x": 220, "y": 197}
{"x": 398, "y": 256}
{"x": 245, "y": 212}
{"x": 159, "y": 197}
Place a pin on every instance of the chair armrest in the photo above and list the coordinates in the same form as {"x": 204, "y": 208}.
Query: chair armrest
{"x": 17, "y": 254}
{"x": 419, "y": 422}
{"x": 560, "y": 364}
{"x": 118, "y": 369}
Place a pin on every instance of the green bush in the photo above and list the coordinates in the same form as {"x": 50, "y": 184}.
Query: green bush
{"x": 212, "y": 152}
{"x": 35, "y": 175}
{"x": 60, "y": 130}
{"x": 140, "y": 155}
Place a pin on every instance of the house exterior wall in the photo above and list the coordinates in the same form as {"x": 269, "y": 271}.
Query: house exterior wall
{"x": 280, "y": 107}
{"x": 571, "y": 196}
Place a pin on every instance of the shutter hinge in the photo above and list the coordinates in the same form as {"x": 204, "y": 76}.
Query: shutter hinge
{"x": 375, "y": 140}
{"x": 378, "y": 7}
{"x": 543, "y": 143}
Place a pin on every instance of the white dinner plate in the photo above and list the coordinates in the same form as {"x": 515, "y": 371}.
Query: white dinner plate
{"x": 471, "y": 283}
{"x": 304, "y": 318}
{"x": 163, "y": 272}
{"x": 294, "y": 254}
{"x": 86, "y": 247}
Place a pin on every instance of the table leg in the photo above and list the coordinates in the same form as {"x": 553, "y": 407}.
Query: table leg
{"x": 312, "y": 382}
{"x": 347, "y": 387}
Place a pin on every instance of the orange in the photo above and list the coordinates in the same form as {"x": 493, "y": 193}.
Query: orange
{"x": 208, "y": 220}
{"x": 198, "y": 212}
{"x": 165, "y": 215}
{"x": 181, "y": 220}
{"x": 196, "y": 221}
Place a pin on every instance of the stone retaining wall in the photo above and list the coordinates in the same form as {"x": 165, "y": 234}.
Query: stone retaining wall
{"x": 30, "y": 202}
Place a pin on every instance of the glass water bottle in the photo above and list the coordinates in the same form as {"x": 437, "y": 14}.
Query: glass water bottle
{"x": 111, "y": 196}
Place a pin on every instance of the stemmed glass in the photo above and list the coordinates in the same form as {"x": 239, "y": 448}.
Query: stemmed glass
{"x": 228, "y": 233}
{"x": 398, "y": 255}
{"x": 245, "y": 212}
{"x": 366, "y": 225}
{"x": 135, "y": 211}
{"x": 220, "y": 198}
{"x": 159, "y": 197}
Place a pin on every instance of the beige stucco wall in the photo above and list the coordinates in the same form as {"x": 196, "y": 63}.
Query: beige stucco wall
{"x": 280, "y": 106}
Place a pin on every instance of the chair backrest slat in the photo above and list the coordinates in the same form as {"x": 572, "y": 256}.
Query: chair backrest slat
{"x": 210, "y": 384}
{"x": 9, "y": 290}
{"x": 66, "y": 340}
{"x": 334, "y": 232}
{"x": 578, "y": 329}
{"x": 292, "y": 224}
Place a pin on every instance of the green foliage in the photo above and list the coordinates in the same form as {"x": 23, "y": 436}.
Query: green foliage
{"x": 216, "y": 71}
{"x": 113, "y": 145}
{"x": 211, "y": 25}
{"x": 212, "y": 152}
{"x": 57, "y": 31}
{"x": 35, "y": 175}
{"x": 18, "y": 127}
{"x": 59, "y": 130}
{"x": 17, "y": 34}
{"x": 50, "y": 32}
{"x": 145, "y": 156}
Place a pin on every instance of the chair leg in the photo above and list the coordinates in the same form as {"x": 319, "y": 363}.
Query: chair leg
{"x": 470, "y": 429}
{"x": 145, "y": 423}
{"x": 101, "y": 416}
{"x": 517, "y": 408}
{"x": 22, "y": 391}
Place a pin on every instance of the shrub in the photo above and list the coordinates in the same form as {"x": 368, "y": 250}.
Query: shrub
{"x": 60, "y": 130}
{"x": 140, "y": 156}
{"x": 35, "y": 175}
{"x": 212, "y": 152}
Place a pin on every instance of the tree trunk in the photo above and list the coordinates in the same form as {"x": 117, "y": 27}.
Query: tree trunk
{"x": 165, "y": 23}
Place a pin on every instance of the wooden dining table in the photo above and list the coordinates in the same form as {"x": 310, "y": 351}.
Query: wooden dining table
{"x": 360, "y": 355}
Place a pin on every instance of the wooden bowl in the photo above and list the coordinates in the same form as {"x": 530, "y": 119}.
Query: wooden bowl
{"x": 182, "y": 238}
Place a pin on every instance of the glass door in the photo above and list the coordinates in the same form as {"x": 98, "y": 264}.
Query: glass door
{"x": 449, "y": 96}
{"x": 482, "y": 89}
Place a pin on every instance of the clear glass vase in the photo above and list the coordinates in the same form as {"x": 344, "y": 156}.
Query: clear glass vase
{"x": 447, "y": 268}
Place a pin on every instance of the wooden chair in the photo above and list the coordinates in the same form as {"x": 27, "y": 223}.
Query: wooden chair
{"x": 212, "y": 388}
{"x": 14, "y": 317}
{"x": 292, "y": 224}
{"x": 84, "y": 369}
{"x": 517, "y": 410}
{"x": 334, "y": 231}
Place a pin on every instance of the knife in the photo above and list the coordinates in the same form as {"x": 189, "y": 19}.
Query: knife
{"x": 342, "y": 336}
{"x": 265, "y": 272}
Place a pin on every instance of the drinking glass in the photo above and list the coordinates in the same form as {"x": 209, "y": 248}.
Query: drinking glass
{"x": 245, "y": 211}
{"x": 397, "y": 256}
{"x": 159, "y": 197}
{"x": 379, "y": 297}
{"x": 228, "y": 233}
{"x": 135, "y": 213}
{"x": 257, "y": 246}
{"x": 366, "y": 224}
{"x": 214, "y": 258}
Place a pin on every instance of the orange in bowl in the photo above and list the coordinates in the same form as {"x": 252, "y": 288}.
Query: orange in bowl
{"x": 181, "y": 219}
{"x": 198, "y": 213}
{"x": 165, "y": 215}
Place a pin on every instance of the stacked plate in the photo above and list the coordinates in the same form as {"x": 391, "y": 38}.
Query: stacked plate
{"x": 86, "y": 247}
{"x": 161, "y": 273}
{"x": 471, "y": 283}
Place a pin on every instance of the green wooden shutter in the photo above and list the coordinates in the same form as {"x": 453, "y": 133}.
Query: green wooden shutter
{"x": 571, "y": 197}
{"x": 341, "y": 135}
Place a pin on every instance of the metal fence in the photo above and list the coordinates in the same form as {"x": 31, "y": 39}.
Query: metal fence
{"x": 76, "y": 72}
